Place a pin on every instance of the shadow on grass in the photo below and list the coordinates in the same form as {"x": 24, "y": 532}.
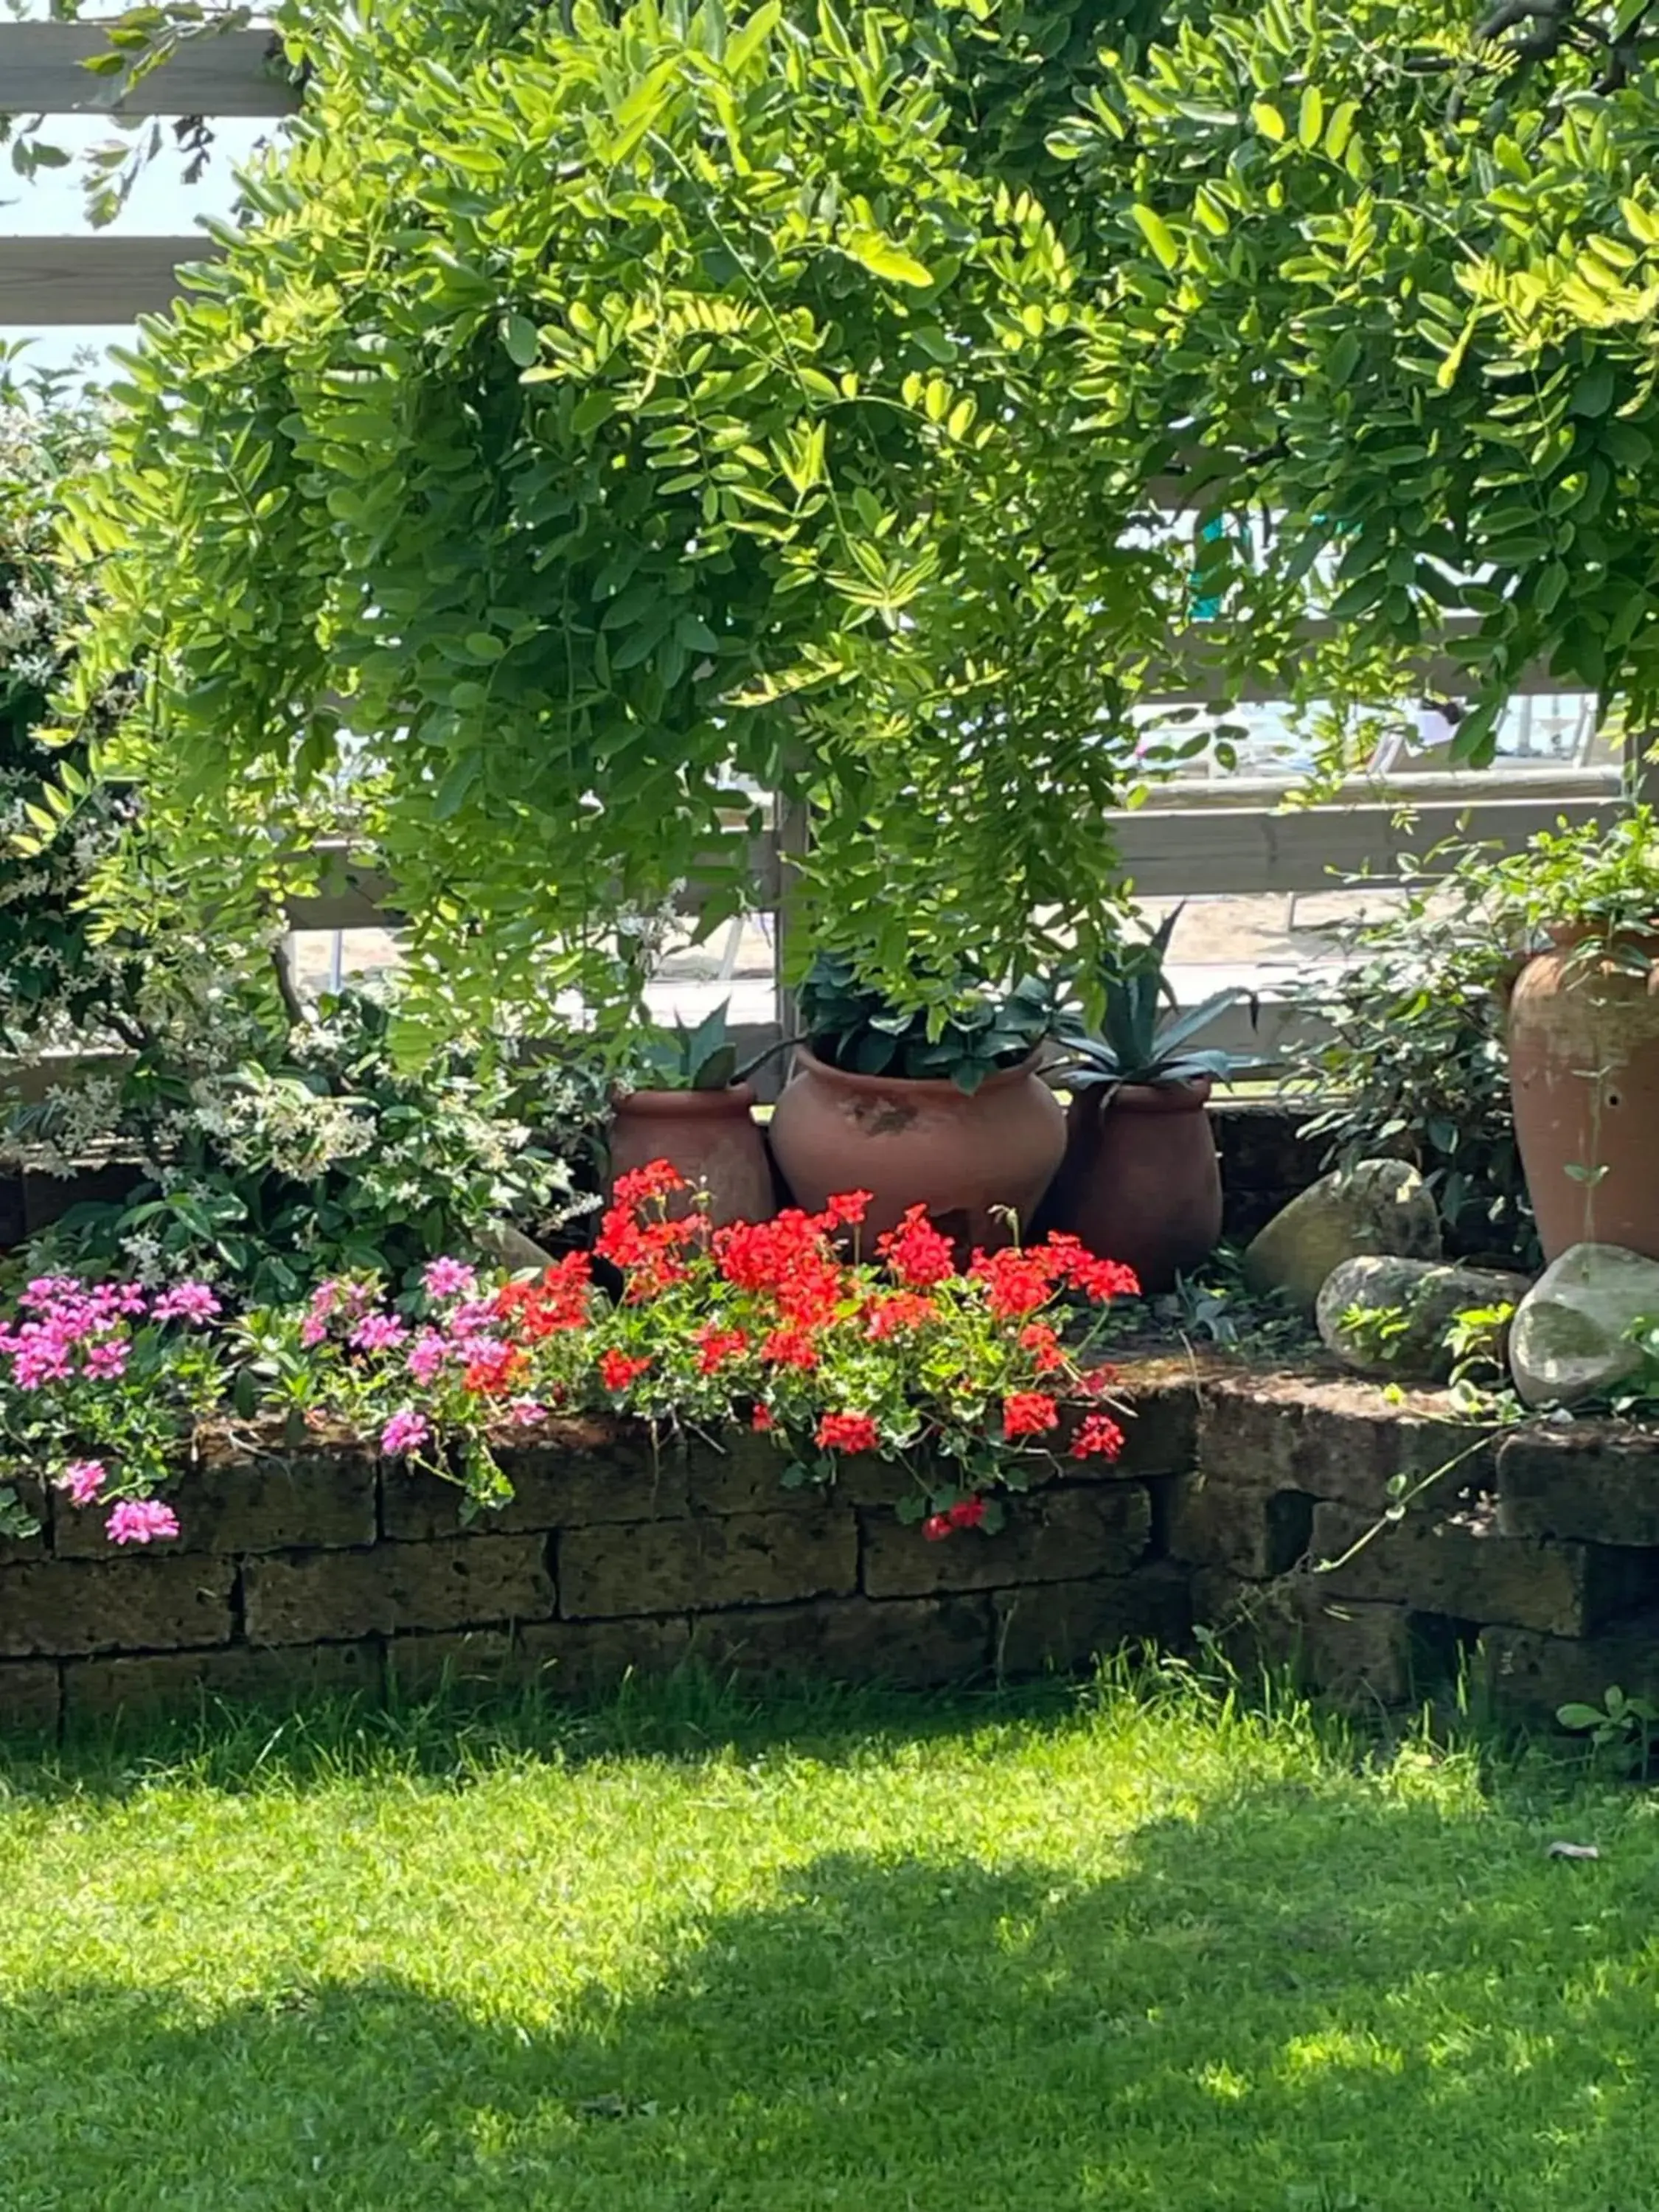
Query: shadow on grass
{"x": 460, "y": 1732}
{"x": 1302, "y": 1999}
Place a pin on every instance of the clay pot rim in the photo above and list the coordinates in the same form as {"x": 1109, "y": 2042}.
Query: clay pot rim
{"x": 1191, "y": 1096}
{"x": 1568, "y": 936}
{"x": 917, "y": 1086}
{"x": 686, "y": 1105}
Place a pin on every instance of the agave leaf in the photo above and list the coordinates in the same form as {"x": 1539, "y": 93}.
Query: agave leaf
{"x": 719, "y": 1070}
{"x": 1176, "y": 1034}
{"x": 703, "y": 1042}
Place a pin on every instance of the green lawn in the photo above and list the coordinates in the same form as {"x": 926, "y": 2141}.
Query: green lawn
{"x": 1134, "y": 1950}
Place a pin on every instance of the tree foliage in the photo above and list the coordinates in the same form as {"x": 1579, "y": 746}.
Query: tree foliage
{"x": 1389, "y": 273}
{"x": 585, "y": 422}
{"x": 602, "y": 412}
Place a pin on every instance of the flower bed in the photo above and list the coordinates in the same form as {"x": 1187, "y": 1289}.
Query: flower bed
{"x": 967, "y": 1375}
{"x": 724, "y": 1456}
{"x": 325, "y": 1566}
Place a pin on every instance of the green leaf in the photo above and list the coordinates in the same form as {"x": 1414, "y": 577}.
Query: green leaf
{"x": 1157, "y": 234}
{"x": 522, "y": 340}
{"x": 878, "y": 253}
{"x": 1340, "y": 129}
{"x": 745, "y": 44}
{"x": 1311, "y": 117}
{"x": 1343, "y": 357}
{"x": 456, "y": 786}
{"x": 1269, "y": 120}
{"x": 1593, "y": 394}
{"x": 1578, "y": 1717}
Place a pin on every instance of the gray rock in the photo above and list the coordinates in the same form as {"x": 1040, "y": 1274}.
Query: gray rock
{"x": 1571, "y": 1338}
{"x": 1376, "y": 1206}
{"x": 514, "y": 1248}
{"x": 1421, "y": 1299}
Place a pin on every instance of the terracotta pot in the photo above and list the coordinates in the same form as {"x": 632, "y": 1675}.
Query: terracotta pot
{"x": 1142, "y": 1181}
{"x": 921, "y": 1144}
{"x": 710, "y": 1136}
{"x": 1583, "y": 1043}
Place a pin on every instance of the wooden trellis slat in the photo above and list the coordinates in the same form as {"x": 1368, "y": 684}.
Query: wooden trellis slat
{"x": 232, "y": 73}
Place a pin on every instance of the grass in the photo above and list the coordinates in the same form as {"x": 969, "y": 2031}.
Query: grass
{"x": 1145, "y": 1948}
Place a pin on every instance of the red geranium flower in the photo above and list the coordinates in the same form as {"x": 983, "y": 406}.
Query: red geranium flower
{"x": 898, "y": 1313}
{"x": 788, "y": 1258}
{"x": 492, "y": 1369}
{"x": 916, "y": 1252}
{"x": 657, "y": 1179}
{"x": 936, "y": 1526}
{"x": 791, "y": 1347}
{"x": 617, "y": 1370}
{"x": 969, "y": 1514}
{"x": 1038, "y": 1339}
{"x": 761, "y": 1420}
{"x": 716, "y": 1345}
{"x": 848, "y": 1208}
{"x": 1098, "y": 1437}
{"x": 1096, "y": 1279}
{"x": 1028, "y": 1414}
{"x": 558, "y": 1299}
{"x": 1016, "y": 1280}
{"x": 847, "y": 1432}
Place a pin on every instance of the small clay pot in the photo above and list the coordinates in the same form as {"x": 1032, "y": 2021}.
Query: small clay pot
{"x": 1583, "y": 1046}
{"x": 710, "y": 1136}
{"x": 964, "y": 1156}
{"x": 1142, "y": 1181}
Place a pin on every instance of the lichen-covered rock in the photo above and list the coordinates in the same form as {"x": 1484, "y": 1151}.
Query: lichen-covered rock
{"x": 1571, "y": 1338}
{"x": 1376, "y": 1206}
{"x": 1389, "y": 1316}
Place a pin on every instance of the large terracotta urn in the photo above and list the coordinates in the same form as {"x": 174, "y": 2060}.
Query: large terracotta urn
{"x": 1142, "y": 1181}
{"x": 1583, "y": 1046}
{"x": 969, "y": 1158}
{"x": 710, "y": 1136}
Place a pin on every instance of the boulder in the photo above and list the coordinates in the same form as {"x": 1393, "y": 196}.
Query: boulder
{"x": 1570, "y": 1336}
{"x": 1419, "y": 1297}
{"x": 1376, "y": 1206}
{"x": 514, "y": 1249}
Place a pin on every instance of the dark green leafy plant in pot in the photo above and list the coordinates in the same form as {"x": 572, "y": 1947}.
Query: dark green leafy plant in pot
{"x": 980, "y": 1032}
{"x": 936, "y": 1103}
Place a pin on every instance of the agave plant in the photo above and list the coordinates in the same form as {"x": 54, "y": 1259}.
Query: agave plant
{"x": 702, "y": 1058}
{"x": 1145, "y": 1038}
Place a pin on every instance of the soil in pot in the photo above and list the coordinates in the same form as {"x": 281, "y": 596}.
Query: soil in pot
{"x": 1583, "y": 1044}
{"x": 964, "y": 1156}
{"x": 1142, "y": 1180}
{"x": 709, "y": 1136}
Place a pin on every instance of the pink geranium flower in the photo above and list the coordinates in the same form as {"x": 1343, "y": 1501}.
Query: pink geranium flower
{"x": 140, "y": 1521}
{"x": 405, "y": 1432}
{"x": 378, "y": 1333}
{"x": 83, "y": 1479}
{"x": 449, "y": 1279}
{"x": 193, "y": 1302}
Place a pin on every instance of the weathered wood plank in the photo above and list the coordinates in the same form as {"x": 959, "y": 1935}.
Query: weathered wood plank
{"x": 49, "y": 282}
{"x": 232, "y": 74}
{"x": 1239, "y": 851}
{"x": 1174, "y": 849}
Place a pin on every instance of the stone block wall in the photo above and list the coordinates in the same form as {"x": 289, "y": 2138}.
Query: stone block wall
{"x": 1534, "y": 1561}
